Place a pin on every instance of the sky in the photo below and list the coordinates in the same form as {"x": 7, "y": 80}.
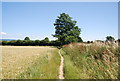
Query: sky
{"x": 35, "y": 19}
{"x": 60, "y": 0}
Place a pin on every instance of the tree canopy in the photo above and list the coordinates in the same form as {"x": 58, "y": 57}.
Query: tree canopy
{"x": 27, "y": 38}
{"x": 66, "y": 29}
{"x": 110, "y": 38}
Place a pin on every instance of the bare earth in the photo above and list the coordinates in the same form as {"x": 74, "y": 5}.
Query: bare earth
{"x": 61, "y": 67}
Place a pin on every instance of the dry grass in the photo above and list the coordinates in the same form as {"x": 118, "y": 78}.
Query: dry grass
{"x": 17, "y": 59}
{"x": 0, "y": 63}
{"x": 90, "y": 61}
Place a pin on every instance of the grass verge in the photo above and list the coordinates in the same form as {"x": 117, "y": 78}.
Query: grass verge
{"x": 90, "y": 62}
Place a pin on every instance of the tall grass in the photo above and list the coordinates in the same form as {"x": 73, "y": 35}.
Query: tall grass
{"x": 46, "y": 67}
{"x": 0, "y": 63}
{"x": 90, "y": 61}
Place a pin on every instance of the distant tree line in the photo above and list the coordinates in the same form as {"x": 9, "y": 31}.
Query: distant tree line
{"x": 45, "y": 42}
{"x": 28, "y": 42}
{"x": 108, "y": 39}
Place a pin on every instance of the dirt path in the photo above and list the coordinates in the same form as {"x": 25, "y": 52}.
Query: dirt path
{"x": 61, "y": 67}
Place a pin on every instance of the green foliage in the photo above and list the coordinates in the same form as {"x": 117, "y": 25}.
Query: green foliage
{"x": 18, "y": 42}
{"x": 55, "y": 43}
{"x": 26, "y": 42}
{"x": 66, "y": 29}
{"x": 90, "y": 62}
{"x": 45, "y": 41}
{"x": 37, "y": 42}
{"x": 4, "y": 42}
{"x": 70, "y": 39}
{"x": 110, "y": 38}
{"x": 27, "y": 38}
{"x": 80, "y": 39}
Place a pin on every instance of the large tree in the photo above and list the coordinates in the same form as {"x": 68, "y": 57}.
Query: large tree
{"x": 66, "y": 29}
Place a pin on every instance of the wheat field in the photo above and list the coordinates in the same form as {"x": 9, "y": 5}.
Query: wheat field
{"x": 19, "y": 61}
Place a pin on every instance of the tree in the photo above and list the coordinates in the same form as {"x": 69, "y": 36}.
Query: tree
{"x": 110, "y": 38}
{"x": 119, "y": 40}
{"x": 45, "y": 41}
{"x": 80, "y": 39}
{"x": 88, "y": 41}
{"x": 66, "y": 29}
{"x": 37, "y": 42}
{"x": 70, "y": 39}
{"x": 4, "y": 42}
{"x": 54, "y": 43}
{"x": 13, "y": 42}
{"x": 18, "y": 42}
{"x": 27, "y": 38}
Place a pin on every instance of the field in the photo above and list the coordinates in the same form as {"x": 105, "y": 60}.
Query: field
{"x": 93, "y": 61}
{"x": 81, "y": 61}
{"x": 30, "y": 62}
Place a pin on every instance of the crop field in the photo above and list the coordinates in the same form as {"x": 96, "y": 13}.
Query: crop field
{"x": 90, "y": 61}
{"x": 81, "y": 61}
{"x": 30, "y": 62}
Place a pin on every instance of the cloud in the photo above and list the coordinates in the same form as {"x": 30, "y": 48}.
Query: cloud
{"x": 3, "y": 33}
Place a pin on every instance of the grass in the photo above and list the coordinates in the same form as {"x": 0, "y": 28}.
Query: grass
{"x": 0, "y": 64}
{"x": 90, "y": 61}
{"x": 81, "y": 61}
{"x": 29, "y": 62}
